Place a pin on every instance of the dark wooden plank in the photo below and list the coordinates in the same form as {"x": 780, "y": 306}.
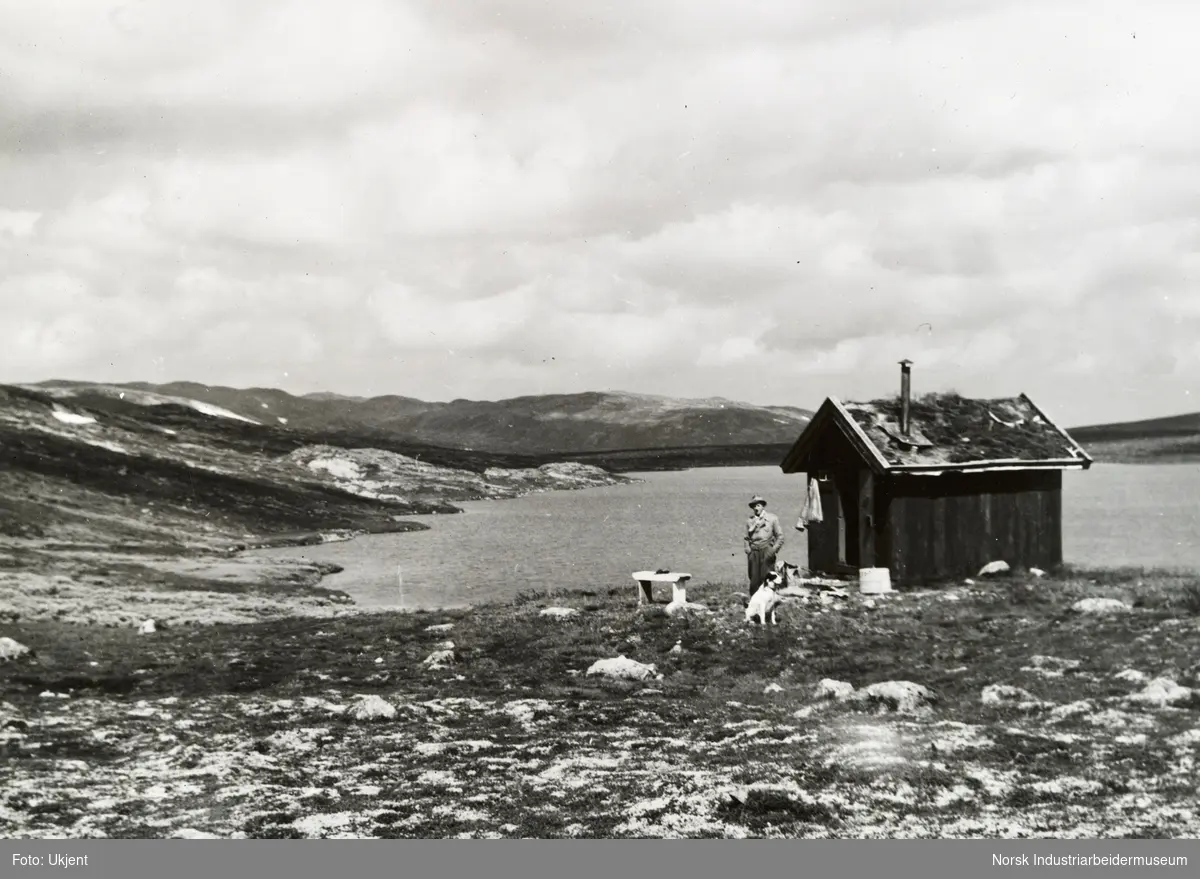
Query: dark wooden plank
{"x": 866, "y": 519}
{"x": 937, "y": 536}
{"x": 898, "y": 528}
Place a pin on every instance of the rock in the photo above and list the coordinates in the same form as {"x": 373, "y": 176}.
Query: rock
{"x": 440, "y": 627}
{"x": 772, "y": 688}
{"x": 1003, "y": 694}
{"x": 146, "y": 628}
{"x": 439, "y": 658}
{"x": 1053, "y": 663}
{"x": 371, "y": 708}
{"x": 831, "y": 689}
{"x": 10, "y": 649}
{"x": 192, "y": 833}
{"x": 869, "y": 604}
{"x": 993, "y": 568}
{"x": 1162, "y": 692}
{"x": 678, "y": 648}
{"x": 1037, "y": 572}
{"x": 902, "y": 697}
{"x": 678, "y": 607}
{"x": 1132, "y": 676}
{"x": 623, "y": 668}
{"x": 969, "y": 582}
{"x": 559, "y": 612}
{"x": 1100, "y": 606}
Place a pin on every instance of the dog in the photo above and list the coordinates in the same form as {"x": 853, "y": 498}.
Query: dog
{"x": 765, "y": 601}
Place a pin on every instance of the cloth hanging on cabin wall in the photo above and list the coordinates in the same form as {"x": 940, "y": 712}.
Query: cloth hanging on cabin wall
{"x": 812, "y": 507}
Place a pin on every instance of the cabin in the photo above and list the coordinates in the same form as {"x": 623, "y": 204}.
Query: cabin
{"x": 934, "y": 488}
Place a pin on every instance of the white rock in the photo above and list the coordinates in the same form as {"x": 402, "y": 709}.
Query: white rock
{"x": 560, "y": 612}
{"x": 1132, "y": 675}
{"x": 371, "y": 708}
{"x": 439, "y": 659}
{"x": 146, "y": 628}
{"x": 903, "y": 697}
{"x": 440, "y": 627}
{"x": 445, "y": 645}
{"x": 1003, "y": 694}
{"x": 1054, "y": 663}
{"x": 678, "y": 648}
{"x": 1037, "y": 572}
{"x": 10, "y": 649}
{"x": 379, "y": 660}
{"x": 623, "y": 667}
{"x": 772, "y": 688}
{"x": 1100, "y": 606}
{"x": 831, "y": 689}
{"x": 1162, "y": 692}
{"x": 996, "y": 567}
{"x": 969, "y": 581}
{"x": 677, "y": 607}
{"x": 192, "y": 833}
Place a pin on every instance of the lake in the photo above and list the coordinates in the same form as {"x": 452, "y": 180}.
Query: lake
{"x": 1115, "y": 515}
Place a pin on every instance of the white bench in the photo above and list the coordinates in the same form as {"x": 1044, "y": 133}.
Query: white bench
{"x": 647, "y": 579}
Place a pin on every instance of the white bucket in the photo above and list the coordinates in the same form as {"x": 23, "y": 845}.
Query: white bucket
{"x": 874, "y": 581}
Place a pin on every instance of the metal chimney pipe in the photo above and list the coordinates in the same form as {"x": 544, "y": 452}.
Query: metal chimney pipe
{"x": 905, "y": 396}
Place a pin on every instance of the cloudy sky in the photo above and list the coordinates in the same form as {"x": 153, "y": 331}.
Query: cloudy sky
{"x": 769, "y": 201}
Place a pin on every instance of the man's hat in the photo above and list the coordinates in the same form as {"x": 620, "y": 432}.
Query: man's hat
{"x": 758, "y": 500}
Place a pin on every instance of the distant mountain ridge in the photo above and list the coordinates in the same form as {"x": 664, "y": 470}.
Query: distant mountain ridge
{"x": 594, "y": 421}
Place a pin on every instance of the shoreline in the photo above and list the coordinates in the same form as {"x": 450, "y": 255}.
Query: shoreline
{"x": 334, "y": 536}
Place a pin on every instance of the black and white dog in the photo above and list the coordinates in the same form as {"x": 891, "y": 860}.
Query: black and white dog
{"x": 766, "y": 600}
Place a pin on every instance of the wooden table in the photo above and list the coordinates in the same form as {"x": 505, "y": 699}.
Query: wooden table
{"x": 647, "y": 579}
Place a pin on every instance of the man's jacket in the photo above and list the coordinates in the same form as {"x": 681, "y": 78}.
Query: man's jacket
{"x": 764, "y": 532}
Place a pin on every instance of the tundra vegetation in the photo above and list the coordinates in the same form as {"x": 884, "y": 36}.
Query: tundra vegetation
{"x": 1017, "y": 706}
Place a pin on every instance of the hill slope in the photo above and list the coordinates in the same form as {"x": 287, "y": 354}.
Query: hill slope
{"x": 1172, "y": 439}
{"x": 104, "y": 494}
{"x": 547, "y": 424}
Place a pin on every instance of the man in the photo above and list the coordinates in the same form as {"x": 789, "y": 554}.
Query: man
{"x": 763, "y": 540}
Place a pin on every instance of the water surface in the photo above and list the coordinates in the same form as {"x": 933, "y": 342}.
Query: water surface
{"x": 1114, "y": 515}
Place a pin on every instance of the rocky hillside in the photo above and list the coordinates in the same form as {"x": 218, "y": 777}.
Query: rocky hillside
{"x": 547, "y": 424}
{"x": 103, "y": 497}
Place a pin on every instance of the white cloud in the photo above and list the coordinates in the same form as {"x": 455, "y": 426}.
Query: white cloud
{"x": 753, "y": 199}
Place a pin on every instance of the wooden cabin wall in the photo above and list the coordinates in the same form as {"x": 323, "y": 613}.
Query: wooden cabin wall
{"x": 841, "y": 464}
{"x": 934, "y": 527}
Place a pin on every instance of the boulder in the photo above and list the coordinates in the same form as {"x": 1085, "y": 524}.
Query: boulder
{"x": 439, "y": 659}
{"x": 831, "y": 689}
{"x": 192, "y": 833}
{"x": 1016, "y": 697}
{"x": 1096, "y": 606}
{"x": 1162, "y": 692}
{"x": 559, "y": 612}
{"x": 1132, "y": 676}
{"x": 146, "y": 628}
{"x": 371, "y": 708}
{"x": 901, "y": 697}
{"x": 993, "y": 568}
{"x": 623, "y": 668}
{"x": 11, "y": 649}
